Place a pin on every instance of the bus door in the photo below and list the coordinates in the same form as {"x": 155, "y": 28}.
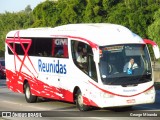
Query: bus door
{"x": 86, "y": 67}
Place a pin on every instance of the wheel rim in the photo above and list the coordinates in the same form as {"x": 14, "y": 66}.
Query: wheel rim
{"x": 80, "y": 100}
{"x": 28, "y": 92}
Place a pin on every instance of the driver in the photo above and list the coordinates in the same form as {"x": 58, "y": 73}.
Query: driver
{"x": 130, "y": 65}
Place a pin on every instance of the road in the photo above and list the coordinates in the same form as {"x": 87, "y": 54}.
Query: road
{"x": 10, "y": 101}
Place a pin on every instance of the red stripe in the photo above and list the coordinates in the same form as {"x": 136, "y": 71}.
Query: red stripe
{"x": 108, "y": 92}
{"x": 147, "y": 41}
{"x": 21, "y": 41}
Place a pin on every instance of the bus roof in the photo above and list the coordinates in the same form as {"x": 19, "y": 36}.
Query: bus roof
{"x": 98, "y": 33}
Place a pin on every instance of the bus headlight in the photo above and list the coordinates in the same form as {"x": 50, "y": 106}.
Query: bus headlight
{"x": 150, "y": 91}
{"x": 106, "y": 95}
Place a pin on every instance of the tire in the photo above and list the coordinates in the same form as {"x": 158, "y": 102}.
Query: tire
{"x": 28, "y": 95}
{"x": 79, "y": 102}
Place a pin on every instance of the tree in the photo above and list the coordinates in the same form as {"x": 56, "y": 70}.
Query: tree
{"x": 28, "y": 9}
{"x": 68, "y": 14}
{"x": 119, "y": 15}
{"x": 46, "y": 13}
{"x": 154, "y": 28}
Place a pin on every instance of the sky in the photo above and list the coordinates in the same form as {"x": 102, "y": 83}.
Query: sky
{"x": 17, "y": 5}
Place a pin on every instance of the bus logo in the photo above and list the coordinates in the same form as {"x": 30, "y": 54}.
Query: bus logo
{"x": 53, "y": 67}
{"x": 61, "y": 41}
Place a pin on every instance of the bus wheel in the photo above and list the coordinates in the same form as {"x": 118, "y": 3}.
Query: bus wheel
{"x": 28, "y": 96}
{"x": 79, "y": 102}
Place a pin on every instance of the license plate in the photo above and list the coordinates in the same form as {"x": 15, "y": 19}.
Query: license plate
{"x": 131, "y": 101}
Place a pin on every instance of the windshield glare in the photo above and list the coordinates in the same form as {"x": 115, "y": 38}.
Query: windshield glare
{"x": 125, "y": 64}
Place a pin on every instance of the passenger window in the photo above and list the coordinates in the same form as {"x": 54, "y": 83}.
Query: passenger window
{"x": 82, "y": 56}
{"x": 92, "y": 68}
{"x": 60, "y": 48}
{"x": 44, "y": 47}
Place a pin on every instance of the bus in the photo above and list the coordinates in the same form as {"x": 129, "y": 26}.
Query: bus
{"x": 81, "y": 64}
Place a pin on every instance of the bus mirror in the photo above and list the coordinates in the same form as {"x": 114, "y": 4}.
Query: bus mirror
{"x": 96, "y": 55}
{"x": 156, "y": 51}
{"x": 154, "y": 46}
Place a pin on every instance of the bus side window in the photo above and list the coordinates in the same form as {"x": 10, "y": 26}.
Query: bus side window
{"x": 59, "y": 48}
{"x": 40, "y": 47}
{"x": 59, "y": 52}
{"x": 74, "y": 46}
{"x": 79, "y": 54}
{"x": 92, "y": 72}
{"x": 89, "y": 66}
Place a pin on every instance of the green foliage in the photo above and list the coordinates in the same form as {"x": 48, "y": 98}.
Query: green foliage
{"x": 28, "y": 9}
{"x": 120, "y": 15}
{"x": 154, "y": 28}
{"x": 141, "y": 16}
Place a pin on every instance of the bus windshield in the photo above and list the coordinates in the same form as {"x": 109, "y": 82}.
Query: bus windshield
{"x": 127, "y": 64}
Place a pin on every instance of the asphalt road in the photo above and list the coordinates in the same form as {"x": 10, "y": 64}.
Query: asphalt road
{"x": 15, "y": 104}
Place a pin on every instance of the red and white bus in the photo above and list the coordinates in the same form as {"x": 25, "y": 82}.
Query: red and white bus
{"x": 43, "y": 62}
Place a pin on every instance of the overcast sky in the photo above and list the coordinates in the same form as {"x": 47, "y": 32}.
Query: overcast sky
{"x": 17, "y": 5}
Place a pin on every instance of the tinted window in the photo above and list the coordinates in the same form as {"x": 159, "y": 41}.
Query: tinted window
{"x": 82, "y": 56}
{"x": 46, "y": 47}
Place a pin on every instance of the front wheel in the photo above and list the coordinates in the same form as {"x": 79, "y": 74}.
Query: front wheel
{"x": 79, "y": 102}
{"x": 28, "y": 96}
